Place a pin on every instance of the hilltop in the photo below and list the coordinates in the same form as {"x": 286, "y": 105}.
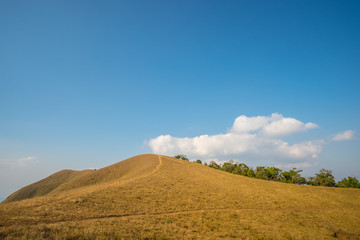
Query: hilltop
{"x": 158, "y": 197}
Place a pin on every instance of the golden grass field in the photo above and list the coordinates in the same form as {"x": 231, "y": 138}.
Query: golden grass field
{"x": 158, "y": 197}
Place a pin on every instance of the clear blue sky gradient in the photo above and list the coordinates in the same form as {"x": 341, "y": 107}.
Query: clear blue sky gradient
{"x": 85, "y": 83}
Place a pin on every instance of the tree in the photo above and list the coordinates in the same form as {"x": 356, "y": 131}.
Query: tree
{"x": 229, "y": 166}
{"x": 323, "y": 178}
{"x": 349, "y": 182}
{"x": 241, "y": 169}
{"x": 182, "y": 157}
{"x": 260, "y": 172}
{"x": 250, "y": 172}
{"x": 213, "y": 164}
{"x": 310, "y": 181}
{"x": 198, "y": 161}
{"x": 273, "y": 173}
{"x": 293, "y": 176}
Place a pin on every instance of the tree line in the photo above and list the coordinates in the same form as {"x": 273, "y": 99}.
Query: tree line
{"x": 322, "y": 178}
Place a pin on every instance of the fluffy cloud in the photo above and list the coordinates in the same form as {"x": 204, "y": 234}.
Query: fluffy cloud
{"x": 343, "y": 136}
{"x": 274, "y": 126}
{"x": 250, "y": 137}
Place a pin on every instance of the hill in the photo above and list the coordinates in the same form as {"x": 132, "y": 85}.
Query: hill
{"x": 69, "y": 179}
{"x": 158, "y": 197}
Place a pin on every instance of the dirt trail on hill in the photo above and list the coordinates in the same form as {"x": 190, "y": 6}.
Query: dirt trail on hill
{"x": 145, "y": 175}
{"x": 130, "y": 180}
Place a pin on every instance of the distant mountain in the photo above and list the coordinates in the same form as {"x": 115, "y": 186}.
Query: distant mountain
{"x": 158, "y": 197}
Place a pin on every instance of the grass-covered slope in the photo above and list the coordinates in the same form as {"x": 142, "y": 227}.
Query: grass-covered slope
{"x": 157, "y": 197}
{"x": 69, "y": 179}
{"x": 42, "y": 187}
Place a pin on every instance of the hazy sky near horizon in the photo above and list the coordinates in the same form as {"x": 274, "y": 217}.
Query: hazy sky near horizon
{"x": 84, "y": 84}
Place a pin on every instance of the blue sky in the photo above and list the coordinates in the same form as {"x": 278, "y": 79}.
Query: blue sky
{"x": 88, "y": 83}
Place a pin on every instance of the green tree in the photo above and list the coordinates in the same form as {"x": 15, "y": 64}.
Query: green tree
{"x": 182, "y": 157}
{"x": 198, "y": 161}
{"x": 241, "y": 169}
{"x": 323, "y": 178}
{"x": 213, "y": 164}
{"x": 260, "y": 172}
{"x": 300, "y": 180}
{"x": 229, "y": 167}
{"x": 349, "y": 182}
{"x": 273, "y": 173}
{"x": 293, "y": 176}
{"x": 249, "y": 172}
{"x": 310, "y": 181}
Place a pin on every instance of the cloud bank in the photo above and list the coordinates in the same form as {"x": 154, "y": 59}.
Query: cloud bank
{"x": 249, "y": 139}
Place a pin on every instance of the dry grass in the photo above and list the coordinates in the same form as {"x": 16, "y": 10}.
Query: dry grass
{"x": 157, "y": 197}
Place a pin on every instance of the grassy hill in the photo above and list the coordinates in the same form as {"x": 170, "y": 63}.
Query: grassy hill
{"x": 69, "y": 179}
{"x": 158, "y": 197}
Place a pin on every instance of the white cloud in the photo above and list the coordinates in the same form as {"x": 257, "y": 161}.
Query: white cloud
{"x": 347, "y": 135}
{"x": 251, "y": 137}
{"x": 285, "y": 126}
{"x": 20, "y": 163}
{"x": 273, "y": 126}
{"x": 244, "y": 124}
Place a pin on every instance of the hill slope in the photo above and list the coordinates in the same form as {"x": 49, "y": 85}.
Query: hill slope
{"x": 157, "y": 197}
{"x": 69, "y": 179}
